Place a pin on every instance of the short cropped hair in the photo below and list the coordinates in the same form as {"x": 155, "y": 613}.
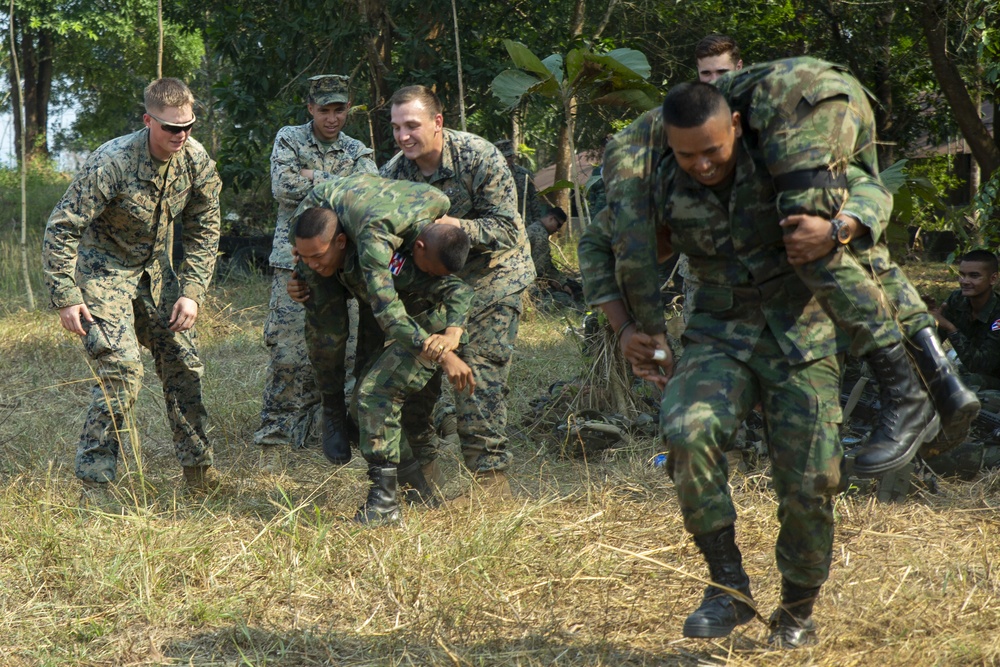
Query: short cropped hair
{"x": 559, "y": 214}
{"x": 316, "y": 221}
{"x": 985, "y": 256}
{"x": 451, "y": 245}
{"x": 692, "y": 104}
{"x": 716, "y": 45}
{"x": 167, "y": 92}
{"x": 423, "y": 94}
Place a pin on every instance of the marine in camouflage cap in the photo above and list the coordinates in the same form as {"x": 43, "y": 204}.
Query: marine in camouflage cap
{"x": 303, "y": 155}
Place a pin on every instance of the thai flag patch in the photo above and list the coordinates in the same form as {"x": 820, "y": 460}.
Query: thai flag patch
{"x": 995, "y": 326}
{"x": 397, "y": 261}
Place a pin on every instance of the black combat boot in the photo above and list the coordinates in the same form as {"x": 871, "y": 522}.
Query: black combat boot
{"x": 381, "y": 505}
{"x": 720, "y": 611}
{"x": 907, "y": 418}
{"x": 420, "y": 491}
{"x": 791, "y": 624}
{"x": 956, "y": 404}
{"x": 336, "y": 445}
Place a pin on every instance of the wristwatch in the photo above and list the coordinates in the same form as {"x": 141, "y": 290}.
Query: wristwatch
{"x": 840, "y": 232}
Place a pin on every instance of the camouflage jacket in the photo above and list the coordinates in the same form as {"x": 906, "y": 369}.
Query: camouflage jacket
{"x": 735, "y": 252}
{"x": 432, "y": 303}
{"x": 295, "y": 149}
{"x": 767, "y": 95}
{"x": 381, "y": 217}
{"x": 977, "y": 340}
{"x": 474, "y": 176}
{"x": 526, "y": 189}
{"x": 110, "y": 228}
{"x": 635, "y": 194}
{"x": 541, "y": 254}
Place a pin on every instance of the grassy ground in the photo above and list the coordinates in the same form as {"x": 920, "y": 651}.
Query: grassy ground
{"x": 588, "y": 565}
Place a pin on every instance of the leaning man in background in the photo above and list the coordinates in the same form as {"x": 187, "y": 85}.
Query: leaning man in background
{"x": 109, "y": 274}
{"x": 303, "y": 155}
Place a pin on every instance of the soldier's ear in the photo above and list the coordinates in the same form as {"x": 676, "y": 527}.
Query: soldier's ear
{"x": 994, "y": 278}
{"x": 340, "y": 240}
{"x": 737, "y": 125}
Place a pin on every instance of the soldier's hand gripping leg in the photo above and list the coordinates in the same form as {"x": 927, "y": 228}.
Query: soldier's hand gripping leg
{"x": 956, "y": 404}
{"x": 336, "y": 443}
{"x": 721, "y": 611}
{"x": 907, "y": 418}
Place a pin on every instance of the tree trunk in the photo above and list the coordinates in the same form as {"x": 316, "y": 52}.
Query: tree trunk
{"x": 883, "y": 85}
{"x": 378, "y": 52}
{"x": 564, "y": 156}
{"x": 32, "y": 116}
{"x": 984, "y": 149}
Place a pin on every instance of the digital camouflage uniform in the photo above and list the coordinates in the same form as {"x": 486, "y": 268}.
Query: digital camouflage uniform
{"x": 480, "y": 188}
{"x": 756, "y": 334}
{"x": 541, "y": 254}
{"x": 396, "y": 371}
{"x": 105, "y": 246}
{"x": 977, "y": 341}
{"x": 380, "y": 217}
{"x": 291, "y": 401}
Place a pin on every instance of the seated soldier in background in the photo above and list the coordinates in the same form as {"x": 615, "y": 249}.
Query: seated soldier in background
{"x": 550, "y": 280}
{"x": 970, "y": 320}
{"x": 420, "y": 274}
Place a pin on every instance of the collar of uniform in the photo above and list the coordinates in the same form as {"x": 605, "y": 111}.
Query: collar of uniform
{"x": 986, "y": 313}
{"x": 336, "y": 144}
{"x": 146, "y": 170}
{"x": 444, "y": 171}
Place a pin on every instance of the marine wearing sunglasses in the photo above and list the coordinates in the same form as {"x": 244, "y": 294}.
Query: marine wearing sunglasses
{"x": 169, "y": 129}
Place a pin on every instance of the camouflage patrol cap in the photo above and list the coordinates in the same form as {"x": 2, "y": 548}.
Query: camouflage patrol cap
{"x": 328, "y": 89}
{"x": 506, "y": 147}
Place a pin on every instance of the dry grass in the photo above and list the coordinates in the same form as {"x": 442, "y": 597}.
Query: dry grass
{"x": 589, "y": 565}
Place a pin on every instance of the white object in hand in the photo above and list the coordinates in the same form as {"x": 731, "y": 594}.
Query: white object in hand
{"x": 659, "y": 355}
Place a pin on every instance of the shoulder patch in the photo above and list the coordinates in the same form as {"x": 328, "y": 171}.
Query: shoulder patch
{"x": 995, "y": 326}
{"x": 396, "y": 263}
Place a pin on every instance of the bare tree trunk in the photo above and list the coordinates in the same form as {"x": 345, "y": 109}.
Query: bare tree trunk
{"x": 564, "y": 150}
{"x": 24, "y": 170}
{"x": 883, "y": 84}
{"x": 35, "y": 60}
{"x": 984, "y": 149}
{"x": 378, "y": 53}
{"x": 458, "y": 57}
{"x": 159, "y": 46}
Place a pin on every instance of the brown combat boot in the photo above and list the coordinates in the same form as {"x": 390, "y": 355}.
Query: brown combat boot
{"x": 434, "y": 475}
{"x": 203, "y": 479}
{"x": 99, "y": 497}
{"x": 270, "y": 459}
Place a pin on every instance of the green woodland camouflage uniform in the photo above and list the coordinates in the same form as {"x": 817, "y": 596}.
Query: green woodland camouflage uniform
{"x": 803, "y": 115}
{"x": 394, "y": 371}
{"x": 977, "y": 341}
{"x": 291, "y": 400}
{"x": 756, "y": 334}
{"x": 380, "y": 217}
{"x": 481, "y": 190}
{"x": 105, "y": 246}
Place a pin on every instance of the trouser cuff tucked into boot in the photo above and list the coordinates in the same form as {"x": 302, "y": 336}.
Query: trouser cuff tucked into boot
{"x": 727, "y": 603}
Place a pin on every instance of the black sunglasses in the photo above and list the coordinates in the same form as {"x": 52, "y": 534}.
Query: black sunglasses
{"x": 169, "y": 127}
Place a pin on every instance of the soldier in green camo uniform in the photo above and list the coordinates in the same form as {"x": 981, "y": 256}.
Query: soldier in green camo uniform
{"x": 379, "y": 216}
{"x": 109, "y": 274}
{"x": 528, "y": 203}
{"x": 435, "y": 309}
{"x": 480, "y": 188}
{"x": 303, "y": 155}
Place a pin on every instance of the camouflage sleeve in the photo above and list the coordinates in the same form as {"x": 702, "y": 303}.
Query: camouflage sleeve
{"x": 627, "y": 167}
{"x": 868, "y": 201}
{"x": 982, "y": 359}
{"x": 375, "y": 251}
{"x": 362, "y": 165}
{"x": 495, "y": 199}
{"x": 287, "y": 183}
{"x": 200, "y": 225}
{"x": 597, "y": 262}
{"x": 453, "y": 293}
{"x": 84, "y": 201}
